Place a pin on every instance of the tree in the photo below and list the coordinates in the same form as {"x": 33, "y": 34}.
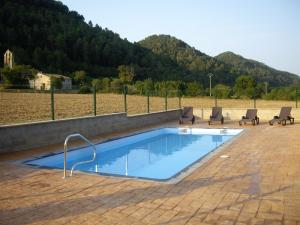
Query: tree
{"x": 221, "y": 91}
{"x": 106, "y": 84}
{"x": 244, "y": 87}
{"x": 126, "y": 74}
{"x": 80, "y": 77}
{"x": 283, "y": 93}
{"x": 139, "y": 85}
{"x": 194, "y": 89}
{"x": 18, "y": 76}
{"x": 148, "y": 85}
{"x": 116, "y": 85}
{"x": 97, "y": 84}
{"x": 57, "y": 81}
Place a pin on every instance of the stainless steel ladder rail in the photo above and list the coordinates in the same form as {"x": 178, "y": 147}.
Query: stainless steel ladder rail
{"x": 66, "y": 150}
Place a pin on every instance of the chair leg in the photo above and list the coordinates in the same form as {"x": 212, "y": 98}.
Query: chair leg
{"x": 283, "y": 122}
{"x": 292, "y": 121}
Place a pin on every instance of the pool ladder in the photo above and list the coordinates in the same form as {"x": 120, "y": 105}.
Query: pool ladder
{"x": 78, "y": 163}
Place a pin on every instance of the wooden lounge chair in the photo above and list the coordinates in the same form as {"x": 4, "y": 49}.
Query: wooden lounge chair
{"x": 187, "y": 115}
{"x": 284, "y": 115}
{"x": 251, "y": 116}
{"x": 216, "y": 115}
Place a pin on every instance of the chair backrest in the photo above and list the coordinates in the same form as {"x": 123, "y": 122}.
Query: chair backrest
{"x": 251, "y": 113}
{"x": 216, "y": 111}
{"x": 285, "y": 112}
{"x": 187, "y": 112}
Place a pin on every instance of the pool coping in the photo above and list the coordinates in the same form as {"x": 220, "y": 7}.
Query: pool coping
{"x": 177, "y": 177}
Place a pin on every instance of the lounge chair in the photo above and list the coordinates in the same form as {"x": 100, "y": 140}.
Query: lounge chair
{"x": 187, "y": 115}
{"x": 251, "y": 116}
{"x": 216, "y": 115}
{"x": 284, "y": 115}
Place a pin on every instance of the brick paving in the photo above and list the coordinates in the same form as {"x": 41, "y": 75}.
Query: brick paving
{"x": 258, "y": 184}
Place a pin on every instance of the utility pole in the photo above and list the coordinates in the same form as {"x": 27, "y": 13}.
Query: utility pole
{"x": 266, "y": 87}
{"x": 210, "y": 75}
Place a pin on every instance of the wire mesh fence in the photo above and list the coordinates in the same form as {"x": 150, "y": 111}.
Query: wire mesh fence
{"x": 19, "y": 107}
{"x": 27, "y": 105}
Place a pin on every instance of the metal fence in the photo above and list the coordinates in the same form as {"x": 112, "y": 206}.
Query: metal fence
{"x": 25, "y": 105}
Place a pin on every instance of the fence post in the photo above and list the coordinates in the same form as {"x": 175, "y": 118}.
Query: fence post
{"x": 148, "y": 101}
{"x": 52, "y": 102}
{"x": 95, "y": 101}
{"x": 216, "y": 101}
{"x": 296, "y": 97}
{"x": 125, "y": 98}
{"x": 166, "y": 100}
{"x": 179, "y": 96}
{"x": 254, "y": 99}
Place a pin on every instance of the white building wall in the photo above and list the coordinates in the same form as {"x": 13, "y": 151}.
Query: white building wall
{"x": 43, "y": 82}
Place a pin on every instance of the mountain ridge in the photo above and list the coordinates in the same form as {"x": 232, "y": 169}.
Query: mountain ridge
{"x": 229, "y": 63}
{"x": 51, "y": 38}
{"x": 251, "y": 66}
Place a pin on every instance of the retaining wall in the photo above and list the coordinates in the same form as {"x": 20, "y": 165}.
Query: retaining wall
{"x": 39, "y": 134}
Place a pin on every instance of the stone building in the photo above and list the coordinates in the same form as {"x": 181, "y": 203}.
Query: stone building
{"x": 8, "y": 59}
{"x": 42, "y": 81}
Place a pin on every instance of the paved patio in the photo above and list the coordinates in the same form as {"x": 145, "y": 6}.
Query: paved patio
{"x": 258, "y": 184}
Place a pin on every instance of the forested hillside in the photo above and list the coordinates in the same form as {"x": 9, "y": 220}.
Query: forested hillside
{"x": 258, "y": 70}
{"x": 48, "y": 36}
{"x": 226, "y": 67}
{"x": 198, "y": 63}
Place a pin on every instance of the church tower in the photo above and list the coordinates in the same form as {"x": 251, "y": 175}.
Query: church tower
{"x": 8, "y": 59}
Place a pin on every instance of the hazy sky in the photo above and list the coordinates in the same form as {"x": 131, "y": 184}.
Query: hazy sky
{"x": 264, "y": 30}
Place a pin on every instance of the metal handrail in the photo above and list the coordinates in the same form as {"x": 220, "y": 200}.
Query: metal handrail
{"x": 79, "y": 163}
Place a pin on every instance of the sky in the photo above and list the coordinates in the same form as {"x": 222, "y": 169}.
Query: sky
{"x": 263, "y": 30}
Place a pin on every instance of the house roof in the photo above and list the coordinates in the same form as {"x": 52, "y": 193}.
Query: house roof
{"x": 54, "y": 75}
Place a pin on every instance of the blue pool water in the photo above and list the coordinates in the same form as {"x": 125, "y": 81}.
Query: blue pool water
{"x": 159, "y": 154}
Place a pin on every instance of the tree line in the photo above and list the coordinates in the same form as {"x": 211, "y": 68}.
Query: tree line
{"x": 245, "y": 87}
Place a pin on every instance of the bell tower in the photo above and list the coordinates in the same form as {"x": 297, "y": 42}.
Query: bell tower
{"x": 8, "y": 59}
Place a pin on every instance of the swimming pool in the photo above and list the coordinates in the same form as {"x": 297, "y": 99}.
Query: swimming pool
{"x": 157, "y": 154}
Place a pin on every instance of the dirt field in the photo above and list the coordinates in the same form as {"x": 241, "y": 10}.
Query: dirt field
{"x": 25, "y": 107}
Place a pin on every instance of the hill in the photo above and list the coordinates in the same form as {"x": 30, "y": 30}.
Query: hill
{"x": 226, "y": 66}
{"x": 198, "y": 63}
{"x": 48, "y": 36}
{"x": 258, "y": 70}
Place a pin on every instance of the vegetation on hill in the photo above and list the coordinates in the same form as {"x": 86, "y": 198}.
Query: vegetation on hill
{"x": 49, "y": 37}
{"x": 198, "y": 63}
{"x": 259, "y": 71}
{"x": 226, "y": 67}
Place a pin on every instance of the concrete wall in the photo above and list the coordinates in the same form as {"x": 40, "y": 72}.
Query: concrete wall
{"x": 236, "y": 113}
{"x": 34, "y": 135}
